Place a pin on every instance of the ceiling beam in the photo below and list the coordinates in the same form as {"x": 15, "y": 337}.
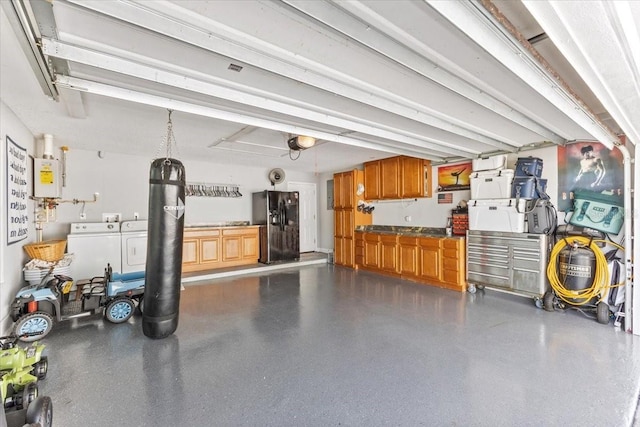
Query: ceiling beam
{"x": 21, "y": 18}
{"x": 159, "y": 72}
{"x": 601, "y": 40}
{"x": 378, "y": 33}
{"x": 481, "y": 26}
{"x": 172, "y": 20}
{"x": 191, "y": 108}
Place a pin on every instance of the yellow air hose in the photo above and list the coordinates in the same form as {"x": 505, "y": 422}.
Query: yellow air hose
{"x": 600, "y": 278}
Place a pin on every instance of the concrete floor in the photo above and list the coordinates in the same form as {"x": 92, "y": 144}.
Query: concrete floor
{"x": 323, "y": 345}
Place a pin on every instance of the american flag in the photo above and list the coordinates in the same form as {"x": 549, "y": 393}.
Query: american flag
{"x": 445, "y": 198}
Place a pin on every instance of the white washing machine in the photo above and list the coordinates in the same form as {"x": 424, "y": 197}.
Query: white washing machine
{"x": 94, "y": 245}
{"x": 133, "y": 235}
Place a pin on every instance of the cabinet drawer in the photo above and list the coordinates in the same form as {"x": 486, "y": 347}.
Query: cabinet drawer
{"x": 408, "y": 240}
{"x": 201, "y": 233}
{"x": 386, "y": 238}
{"x": 450, "y": 243}
{"x": 238, "y": 231}
{"x": 450, "y": 276}
{"x": 450, "y": 263}
{"x": 450, "y": 253}
{"x": 429, "y": 242}
{"x": 371, "y": 237}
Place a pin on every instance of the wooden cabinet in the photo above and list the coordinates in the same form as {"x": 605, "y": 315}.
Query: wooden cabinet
{"x": 209, "y": 248}
{"x": 371, "y": 250}
{"x": 416, "y": 178}
{"x": 397, "y": 178}
{"x": 389, "y": 253}
{"x": 239, "y": 244}
{"x": 390, "y": 178}
{"x": 359, "y": 249}
{"x": 453, "y": 262}
{"x": 346, "y": 216}
{"x": 408, "y": 256}
{"x": 431, "y": 260}
{"x": 372, "y": 180}
{"x": 344, "y": 189}
{"x": 429, "y": 253}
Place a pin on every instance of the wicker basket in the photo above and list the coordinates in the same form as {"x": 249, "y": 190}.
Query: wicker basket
{"x": 51, "y": 250}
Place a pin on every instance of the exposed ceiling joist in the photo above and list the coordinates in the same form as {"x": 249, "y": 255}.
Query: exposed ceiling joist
{"x": 480, "y": 25}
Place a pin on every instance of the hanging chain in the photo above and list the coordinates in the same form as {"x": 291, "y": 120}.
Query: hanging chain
{"x": 169, "y": 140}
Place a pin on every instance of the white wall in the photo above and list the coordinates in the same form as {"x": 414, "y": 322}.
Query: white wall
{"x": 12, "y": 257}
{"x": 123, "y": 181}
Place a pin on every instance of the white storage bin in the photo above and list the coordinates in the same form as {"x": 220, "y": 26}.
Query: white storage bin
{"x": 498, "y": 215}
{"x": 491, "y": 184}
{"x": 489, "y": 163}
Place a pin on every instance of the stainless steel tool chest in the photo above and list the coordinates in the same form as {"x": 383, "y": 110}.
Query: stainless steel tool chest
{"x": 513, "y": 262}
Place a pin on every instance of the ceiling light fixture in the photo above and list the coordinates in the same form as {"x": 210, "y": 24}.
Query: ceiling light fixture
{"x": 301, "y": 142}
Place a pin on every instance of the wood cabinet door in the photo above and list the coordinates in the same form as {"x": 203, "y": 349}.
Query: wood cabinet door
{"x": 389, "y": 254}
{"x": 372, "y": 180}
{"x": 231, "y": 248}
{"x": 430, "y": 259}
{"x": 453, "y": 262}
{"x": 390, "y": 178}
{"x": 190, "y": 251}
{"x": 408, "y": 254}
{"x": 337, "y": 191}
{"x": 209, "y": 250}
{"x": 412, "y": 177}
{"x": 371, "y": 252}
{"x": 250, "y": 246}
{"x": 338, "y": 251}
{"x": 343, "y": 223}
{"x": 348, "y": 190}
{"x": 349, "y": 252}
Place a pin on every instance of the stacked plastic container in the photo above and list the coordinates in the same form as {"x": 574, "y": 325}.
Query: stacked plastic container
{"x": 499, "y": 195}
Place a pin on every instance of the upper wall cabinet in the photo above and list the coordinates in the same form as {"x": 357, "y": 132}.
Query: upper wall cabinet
{"x": 399, "y": 177}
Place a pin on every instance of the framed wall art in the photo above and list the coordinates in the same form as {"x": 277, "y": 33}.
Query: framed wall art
{"x": 454, "y": 177}
{"x": 17, "y": 213}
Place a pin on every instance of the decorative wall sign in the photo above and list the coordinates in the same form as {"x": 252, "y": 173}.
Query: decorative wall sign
{"x": 589, "y": 166}
{"x": 454, "y": 177}
{"x": 17, "y": 214}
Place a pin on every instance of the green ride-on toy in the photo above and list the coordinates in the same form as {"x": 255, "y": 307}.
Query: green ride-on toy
{"x": 20, "y": 370}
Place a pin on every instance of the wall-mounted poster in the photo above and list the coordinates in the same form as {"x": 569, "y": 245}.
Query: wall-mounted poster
{"x": 588, "y": 166}
{"x": 454, "y": 177}
{"x": 17, "y": 214}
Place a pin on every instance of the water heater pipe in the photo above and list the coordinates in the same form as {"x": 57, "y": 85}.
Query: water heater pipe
{"x": 48, "y": 146}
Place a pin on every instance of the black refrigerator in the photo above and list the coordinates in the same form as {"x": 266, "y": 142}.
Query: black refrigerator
{"x": 277, "y": 214}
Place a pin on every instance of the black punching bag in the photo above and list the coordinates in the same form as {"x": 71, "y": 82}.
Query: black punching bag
{"x": 164, "y": 248}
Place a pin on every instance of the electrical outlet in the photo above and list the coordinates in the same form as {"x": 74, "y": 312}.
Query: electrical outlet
{"x": 407, "y": 218}
{"x": 83, "y": 215}
{"x": 136, "y": 215}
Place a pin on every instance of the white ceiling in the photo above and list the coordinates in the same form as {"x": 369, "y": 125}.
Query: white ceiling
{"x": 368, "y": 79}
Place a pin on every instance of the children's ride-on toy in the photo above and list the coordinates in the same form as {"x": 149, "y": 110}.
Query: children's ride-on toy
{"x": 20, "y": 369}
{"x": 38, "y": 413}
{"x": 36, "y": 306}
